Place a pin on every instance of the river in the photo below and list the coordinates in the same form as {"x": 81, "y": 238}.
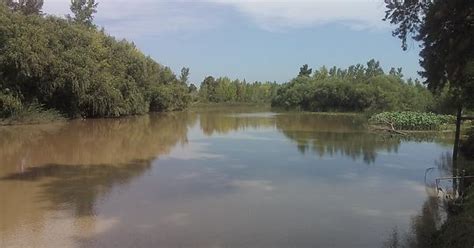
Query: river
{"x": 236, "y": 177}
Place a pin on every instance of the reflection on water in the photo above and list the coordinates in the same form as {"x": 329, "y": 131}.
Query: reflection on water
{"x": 79, "y": 186}
{"x": 91, "y": 142}
{"x": 437, "y": 224}
{"x": 332, "y": 134}
{"x": 209, "y": 178}
{"x": 422, "y": 230}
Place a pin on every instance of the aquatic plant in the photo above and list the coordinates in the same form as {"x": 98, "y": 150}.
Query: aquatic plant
{"x": 408, "y": 120}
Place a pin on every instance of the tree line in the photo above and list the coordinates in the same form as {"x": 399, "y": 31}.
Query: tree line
{"x": 69, "y": 65}
{"x": 356, "y": 88}
{"x": 225, "y": 90}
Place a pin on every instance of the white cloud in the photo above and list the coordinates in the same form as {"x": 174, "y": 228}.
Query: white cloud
{"x": 192, "y": 151}
{"x": 284, "y": 14}
{"x": 127, "y": 18}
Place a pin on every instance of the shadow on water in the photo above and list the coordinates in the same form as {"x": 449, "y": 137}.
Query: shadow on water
{"x": 72, "y": 166}
{"x": 441, "y": 222}
{"x": 320, "y": 134}
{"x": 111, "y": 141}
{"x": 223, "y": 123}
{"x": 75, "y": 169}
{"x": 335, "y": 134}
{"x": 346, "y": 135}
{"x": 102, "y": 141}
{"x": 79, "y": 187}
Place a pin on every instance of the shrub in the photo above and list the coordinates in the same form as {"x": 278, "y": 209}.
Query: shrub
{"x": 412, "y": 120}
{"x": 169, "y": 98}
{"x": 78, "y": 70}
{"x": 354, "y": 89}
{"x": 9, "y": 105}
{"x": 32, "y": 114}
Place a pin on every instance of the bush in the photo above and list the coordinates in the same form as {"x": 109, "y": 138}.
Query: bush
{"x": 169, "y": 98}
{"x": 32, "y": 114}
{"x": 78, "y": 70}
{"x": 412, "y": 120}
{"x": 354, "y": 89}
{"x": 9, "y": 105}
{"x": 225, "y": 90}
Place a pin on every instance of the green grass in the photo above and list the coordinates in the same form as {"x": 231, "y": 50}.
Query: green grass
{"x": 458, "y": 230}
{"x": 32, "y": 114}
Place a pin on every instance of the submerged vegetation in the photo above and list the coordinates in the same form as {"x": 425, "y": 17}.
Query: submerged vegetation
{"x": 71, "y": 67}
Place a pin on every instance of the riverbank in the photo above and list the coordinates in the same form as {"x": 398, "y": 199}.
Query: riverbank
{"x": 31, "y": 115}
{"x": 458, "y": 230}
{"x": 410, "y": 122}
{"x": 201, "y": 105}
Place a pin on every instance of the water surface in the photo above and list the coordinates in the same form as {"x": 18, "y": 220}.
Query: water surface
{"x": 210, "y": 178}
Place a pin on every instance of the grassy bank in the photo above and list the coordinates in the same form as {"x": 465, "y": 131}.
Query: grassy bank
{"x": 441, "y": 222}
{"x": 458, "y": 231}
{"x": 33, "y": 114}
{"x": 199, "y": 105}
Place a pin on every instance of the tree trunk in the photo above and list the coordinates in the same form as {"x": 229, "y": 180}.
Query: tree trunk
{"x": 456, "y": 149}
{"x": 458, "y": 133}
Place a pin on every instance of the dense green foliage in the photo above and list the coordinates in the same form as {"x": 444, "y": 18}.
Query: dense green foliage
{"x": 83, "y": 11}
{"x": 444, "y": 29}
{"x": 412, "y": 120}
{"x": 357, "y": 88}
{"x": 222, "y": 90}
{"x": 26, "y": 7}
{"x": 79, "y": 71}
{"x": 32, "y": 114}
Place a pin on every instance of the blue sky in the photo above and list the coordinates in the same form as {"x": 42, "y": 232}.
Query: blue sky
{"x": 254, "y": 40}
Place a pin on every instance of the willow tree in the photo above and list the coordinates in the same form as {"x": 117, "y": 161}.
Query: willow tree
{"x": 83, "y": 11}
{"x": 445, "y": 31}
{"x": 184, "y": 76}
{"x": 27, "y": 7}
{"x": 305, "y": 71}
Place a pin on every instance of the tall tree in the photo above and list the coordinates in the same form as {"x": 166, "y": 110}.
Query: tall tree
{"x": 184, "y": 75}
{"x": 8, "y": 3}
{"x": 83, "y": 11}
{"x": 373, "y": 68}
{"x": 396, "y": 72}
{"x": 27, "y": 7}
{"x": 305, "y": 71}
{"x": 445, "y": 30}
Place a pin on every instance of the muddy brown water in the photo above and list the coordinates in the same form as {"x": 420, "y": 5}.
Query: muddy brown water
{"x": 223, "y": 178}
